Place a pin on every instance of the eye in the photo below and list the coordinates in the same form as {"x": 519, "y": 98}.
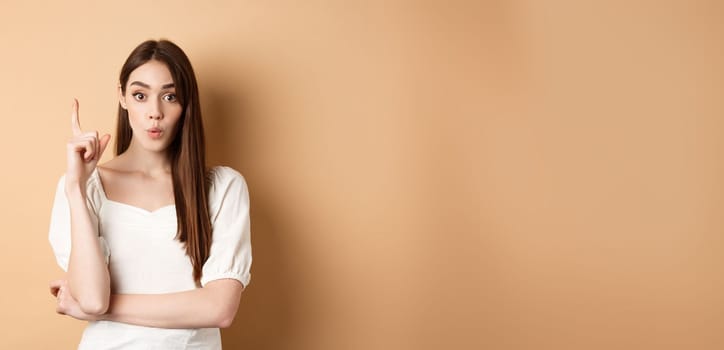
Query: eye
{"x": 170, "y": 98}
{"x": 139, "y": 96}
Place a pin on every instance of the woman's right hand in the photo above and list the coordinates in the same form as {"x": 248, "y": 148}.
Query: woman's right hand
{"x": 84, "y": 151}
{"x": 66, "y": 304}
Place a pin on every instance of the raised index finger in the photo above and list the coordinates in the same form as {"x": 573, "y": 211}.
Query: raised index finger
{"x": 75, "y": 123}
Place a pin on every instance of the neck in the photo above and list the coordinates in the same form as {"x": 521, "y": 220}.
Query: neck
{"x": 147, "y": 161}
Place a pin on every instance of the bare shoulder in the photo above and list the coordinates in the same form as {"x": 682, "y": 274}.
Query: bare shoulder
{"x": 112, "y": 171}
{"x": 112, "y": 167}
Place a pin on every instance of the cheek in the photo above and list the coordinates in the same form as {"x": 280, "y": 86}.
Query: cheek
{"x": 133, "y": 117}
{"x": 176, "y": 125}
{"x": 173, "y": 114}
{"x": 174, "y": 111}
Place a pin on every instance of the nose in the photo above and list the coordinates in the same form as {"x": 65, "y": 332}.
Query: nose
{"x": 155, "y": 112}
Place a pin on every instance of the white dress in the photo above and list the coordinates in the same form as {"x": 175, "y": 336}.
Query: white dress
{"x": 144, "y": 257}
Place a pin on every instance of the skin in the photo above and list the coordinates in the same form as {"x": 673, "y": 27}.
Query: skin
{"x": 140, "y": 177}
{"x": 87, "y": 274}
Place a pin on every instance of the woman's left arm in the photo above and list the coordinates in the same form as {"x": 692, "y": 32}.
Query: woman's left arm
{"x": 213, "y": 306}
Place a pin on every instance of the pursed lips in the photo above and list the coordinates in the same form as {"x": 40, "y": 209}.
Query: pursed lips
{"x": 154, "y": 132}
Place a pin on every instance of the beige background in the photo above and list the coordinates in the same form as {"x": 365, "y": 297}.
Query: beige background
{"x": 423, "y": 175}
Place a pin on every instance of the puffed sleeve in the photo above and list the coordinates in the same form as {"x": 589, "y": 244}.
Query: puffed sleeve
{"x": 230, "y": 255}
{"x": 59, "y": 232}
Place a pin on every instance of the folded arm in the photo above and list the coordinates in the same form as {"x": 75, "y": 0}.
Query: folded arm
{"x": 213, "y": 306}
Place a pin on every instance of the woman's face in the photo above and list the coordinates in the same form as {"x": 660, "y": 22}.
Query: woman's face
{"x": 153, "y": 109}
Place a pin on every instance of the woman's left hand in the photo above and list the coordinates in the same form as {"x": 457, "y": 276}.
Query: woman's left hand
{"x": 67, "y": 305}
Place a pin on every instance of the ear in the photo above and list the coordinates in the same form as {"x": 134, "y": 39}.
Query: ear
{"x": 121, "y": 97}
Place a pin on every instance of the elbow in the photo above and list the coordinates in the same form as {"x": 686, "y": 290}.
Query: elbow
{"x": 224, "y": 297}
{"x": 225, "y": 323}
{"x": 224, "y": 315}
{"x": 225, "y": 319}
{"x": 94, "y": 304}
{"x": 94, "y": 307}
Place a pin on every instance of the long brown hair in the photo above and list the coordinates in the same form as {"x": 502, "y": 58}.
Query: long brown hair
{"x": 187, "y": 151}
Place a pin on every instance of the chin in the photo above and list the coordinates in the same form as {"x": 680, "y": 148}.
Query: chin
{"x": 156, "y": 147}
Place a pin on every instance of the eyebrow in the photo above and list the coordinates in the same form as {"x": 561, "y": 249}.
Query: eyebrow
{"x": 141, "y": 84}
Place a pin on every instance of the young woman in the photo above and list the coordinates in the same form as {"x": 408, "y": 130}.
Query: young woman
{"x": 156, "y": 247}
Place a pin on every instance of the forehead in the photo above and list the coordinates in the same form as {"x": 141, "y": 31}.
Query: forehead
{"x": 153, "y": 73}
